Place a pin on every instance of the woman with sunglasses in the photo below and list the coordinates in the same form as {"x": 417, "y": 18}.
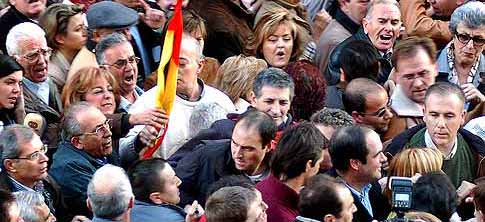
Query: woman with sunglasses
{"x": 98, "y": 87}
{"x": 462, "y": 61}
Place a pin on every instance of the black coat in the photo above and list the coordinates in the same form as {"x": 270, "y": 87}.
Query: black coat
{"x": 10, "y": 19}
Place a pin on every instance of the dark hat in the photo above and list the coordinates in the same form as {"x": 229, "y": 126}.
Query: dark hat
{"x": 8, "y": 65}
{"x": 108, "y": 14}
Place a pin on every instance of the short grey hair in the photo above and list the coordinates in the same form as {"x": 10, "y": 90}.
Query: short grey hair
{"x": 471, "y": 14}
{"x": 204, "y": 115}
{"x": 11, "y": 138}
{"x": 371, "y": 6}
{"x": 21, "y": 32}
{"x": 273, "y": 77}
{"x": 109, "y": 192}
{"x": 335, "y": 118}
{"x": 107, "y": 42}
{"x": 27, "y": 202}
{"x": 70, "y": 125}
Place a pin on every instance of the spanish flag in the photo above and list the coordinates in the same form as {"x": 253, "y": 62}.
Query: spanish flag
{"x": 167, "y": 84}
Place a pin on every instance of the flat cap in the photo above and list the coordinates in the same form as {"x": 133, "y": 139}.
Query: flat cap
{"x": 108, "y": 14}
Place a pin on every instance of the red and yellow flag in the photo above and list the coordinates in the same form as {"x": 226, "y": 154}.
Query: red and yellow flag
{"x": 167, "y": 84}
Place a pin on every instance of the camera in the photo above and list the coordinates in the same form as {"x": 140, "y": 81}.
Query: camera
{"x": 402, "y": 192}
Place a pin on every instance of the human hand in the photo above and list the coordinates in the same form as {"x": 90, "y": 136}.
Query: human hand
{"x": 155, "y": 117}
{"x": 464, "y": 190}
{"x": 149, "y": 135}
{"x": 80, "y": 218}
{"x": 154, "y": 18}
{"x": 472, "y": 93}
{"x": 194, "y": 212}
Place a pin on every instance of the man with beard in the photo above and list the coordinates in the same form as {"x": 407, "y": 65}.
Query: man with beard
{"x": 380, "y": 27}
{"x": 368, "y": 104}
{"x": 20, "y": 11}
{"x": 444, "y": 115}
{"x": 85, "y": 147}
{"x": 26, "y": 42}
{"x": 116, "y": 54}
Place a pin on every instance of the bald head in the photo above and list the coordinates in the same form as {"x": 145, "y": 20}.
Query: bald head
{"x": 355, "y": 94}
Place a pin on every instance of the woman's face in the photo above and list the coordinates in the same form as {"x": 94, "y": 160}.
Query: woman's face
{"x": 101, "y": 95}
{"x": 76, "y": 34}
{"x": 278, "y": 46}
{"x": 10, "y": 90}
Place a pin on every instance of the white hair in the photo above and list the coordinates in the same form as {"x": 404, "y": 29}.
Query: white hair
{"x": 204, "y": 115}
{"x": 23, "y": 31}
{"x": 27, "y": 201}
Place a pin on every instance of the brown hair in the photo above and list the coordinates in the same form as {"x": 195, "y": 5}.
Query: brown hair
{"x": 408, "y": 47}
{"x": 193, "y": 22}
{"x": 55, "y": 21}
{"x": 77, "y": 85}
{"x": 410, "y": 161}
{"x": 236, "y": 75}
{"x": 267, "y": 25}
{"x": 478, "y": 194}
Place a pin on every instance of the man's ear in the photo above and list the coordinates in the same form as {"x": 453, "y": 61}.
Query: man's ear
{"x": 76, "y": 142}
{"x": 463, "y": 117}
{"x": 12, "y": 2}
{"x": 357, "y": 117}
{"x": 9, "y": 165}
{"x": 156, "y": 198}
{"x": 365, "y": 23}
{"x": 252, "y": 98}
{"x": 96, "y": 36}
{"x": 88, "y": 204}
{"x": 329, "y": 218}
{"x": 308, "y": 165}
{"x": 342, "y": 75}
{"x": 354, "y": 164}
{"x": 200, "y": 65}
{"x": 131, "y": 204}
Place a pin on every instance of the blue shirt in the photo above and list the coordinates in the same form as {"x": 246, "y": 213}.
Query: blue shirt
{"x": 363, "y": 197}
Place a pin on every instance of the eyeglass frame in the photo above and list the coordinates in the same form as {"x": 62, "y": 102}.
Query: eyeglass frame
{"x": 46, "y": 52}
{"x": 134, "y": 60}
{"x": 105, "y": 126}
{"x": 381, "y": 112}
{"x": 469, "y": 37}
{"x": 43, "y": 150}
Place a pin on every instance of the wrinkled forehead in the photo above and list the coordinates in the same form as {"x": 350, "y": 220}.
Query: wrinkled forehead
{"x": 29, "y": 44}
{"x": 385, "y": 10}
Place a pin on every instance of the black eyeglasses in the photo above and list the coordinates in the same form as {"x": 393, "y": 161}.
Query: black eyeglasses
{"x": 102, "y": 129}
{"x": 121, "y": 63}
{"x": 35, "y": 155}
{"x": 381, "y": 112}
{"x": 465, "y": 38}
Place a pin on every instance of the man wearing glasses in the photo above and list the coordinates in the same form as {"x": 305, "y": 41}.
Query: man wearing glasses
{"x": 368, "y": 104}
{"x": 116, "y": 54}
{"x": 24, "y": 165}
{"x": 462, "y": 61}
{"x": 85, "y": 147}
{"x": 26, "y": 42}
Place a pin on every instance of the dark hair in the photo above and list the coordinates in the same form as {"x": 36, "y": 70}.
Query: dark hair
{"x": 145, "y": 179}
{"x": 478, "y": 194}
{"x": 8, "y": 65}
{"x": 359, "y": 59}
{"x": 348, "y": 143}
{"x": 296, "y": 147}
{"x": 229, "y": 204}
{"x": 435, "y": 194}
{"x": 320, "y": 197}
{"x": 335, "y": 118}
{"x": 355, "y": 93}
{"x": 445, "y": 89}
{"x": 408, "y": 47}
{"x": 262, "y": 122}
{"x": 230, "y": 181}
{"x": 6, "y": 201}
{"x": 310, "y": 86}
{"x": 273, "y": 77}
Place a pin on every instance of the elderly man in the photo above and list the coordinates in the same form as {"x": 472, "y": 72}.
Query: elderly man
{"x": 245, "y": 153}
{"x": 116, "y": 54}
{"x": 325, "y": 199}
{"x": 236, "y": 203}
{"x": 155, "y": 186}
{"x": 414, "y": 60}
{"x": 369, "y": 104}
{"x": 348, "y": 19}
{"x": 26, "y": 42}
{"x": 85, "y": 147}
{"x": 444, "y": 115}
{"x": 296, "y": 159}
{"x": 20, "y": 11}
{"x": 357, "y": 159}
{"x": 103, "y": 18}
{"x": 32, "y": 207}
{"x": 191, "y": 91}
{"x": 109, "y": 195}
{"x": 9, "y": 207}
{"x": 328, "y": 120}
{"x": 380, "y": 27}
{"x": 24, "y": 165}
{"x": 462, "y": 61}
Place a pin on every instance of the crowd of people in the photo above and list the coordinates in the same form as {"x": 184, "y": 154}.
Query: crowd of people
{"x": 285, "y": 111}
